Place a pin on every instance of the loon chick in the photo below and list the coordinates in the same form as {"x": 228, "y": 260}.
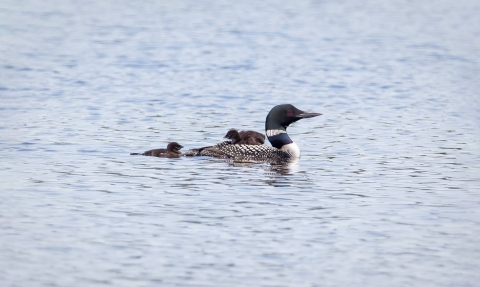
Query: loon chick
{"x": 245, "y": 137}
{"x": 172, "y": 150}
{"x": 282, "y": 149}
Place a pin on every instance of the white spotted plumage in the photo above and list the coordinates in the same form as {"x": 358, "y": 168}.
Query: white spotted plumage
{"x": 243, "y": 152}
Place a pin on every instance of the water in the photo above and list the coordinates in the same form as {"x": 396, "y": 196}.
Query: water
{"x": 386, "y": 192}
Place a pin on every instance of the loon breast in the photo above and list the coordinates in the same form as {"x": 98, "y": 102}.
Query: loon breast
{"x": 292, "y": 149}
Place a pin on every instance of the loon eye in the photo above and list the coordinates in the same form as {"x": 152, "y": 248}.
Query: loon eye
{"x": 289, "y": 113}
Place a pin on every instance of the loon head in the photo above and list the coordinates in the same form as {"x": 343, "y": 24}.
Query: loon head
{"x": 233, "y": 135}
{"x": 278, "y": 119}
{"x": 281, "y": 116}
{"x": 174, "y": 147}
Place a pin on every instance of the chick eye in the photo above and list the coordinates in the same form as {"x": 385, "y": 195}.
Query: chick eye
{"x": 289, "y": 113}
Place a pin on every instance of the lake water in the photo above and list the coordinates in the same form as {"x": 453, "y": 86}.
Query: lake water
{"x": 387, "y": 192}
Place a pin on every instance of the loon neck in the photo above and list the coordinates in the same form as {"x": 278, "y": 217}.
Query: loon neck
{"x": 281, "y": 140}
{"x": 278, "y": 138}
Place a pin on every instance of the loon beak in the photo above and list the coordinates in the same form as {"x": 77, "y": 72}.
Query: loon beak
{"x": 305, "y": 115}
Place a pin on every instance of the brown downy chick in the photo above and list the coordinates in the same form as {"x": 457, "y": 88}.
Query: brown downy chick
{"x": 172, "y": 150}
{"x": 245, "y": 137}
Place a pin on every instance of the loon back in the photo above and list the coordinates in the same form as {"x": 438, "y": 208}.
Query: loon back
{"x": 242, "y": 152}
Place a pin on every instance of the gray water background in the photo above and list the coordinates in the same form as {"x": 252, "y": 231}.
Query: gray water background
{"x": 386, "y": 192}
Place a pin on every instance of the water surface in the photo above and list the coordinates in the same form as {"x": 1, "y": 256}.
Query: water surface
{"x": 386, "y": 192}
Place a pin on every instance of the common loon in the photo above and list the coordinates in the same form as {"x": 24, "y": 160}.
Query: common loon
{"x": 245, "y": 137}
{"x": 283, "y": 148}
{"x": 172, "y": 150}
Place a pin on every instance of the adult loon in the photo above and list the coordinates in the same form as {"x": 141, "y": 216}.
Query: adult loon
{"x": 245, "y": 137}
{"x": 173, "y": 150}
{"x": 283, "y": 149}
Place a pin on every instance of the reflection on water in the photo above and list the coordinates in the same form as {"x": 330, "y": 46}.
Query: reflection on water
{"x": 386, "y": 191}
